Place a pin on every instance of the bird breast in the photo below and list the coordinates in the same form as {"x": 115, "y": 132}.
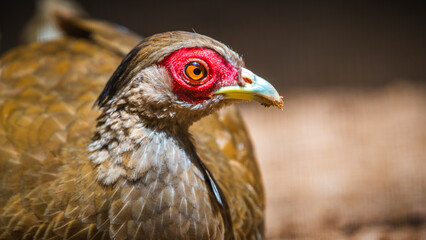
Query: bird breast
{"x": 160, "y": 187}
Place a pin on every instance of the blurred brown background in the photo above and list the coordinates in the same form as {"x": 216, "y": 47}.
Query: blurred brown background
{"x": 346, "y": 157}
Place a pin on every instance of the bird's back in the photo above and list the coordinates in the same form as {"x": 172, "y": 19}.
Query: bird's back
{"x": 47, "y": 92}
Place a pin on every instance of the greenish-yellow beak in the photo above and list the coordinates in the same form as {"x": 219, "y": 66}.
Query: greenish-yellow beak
{"x": 254, "y": 89}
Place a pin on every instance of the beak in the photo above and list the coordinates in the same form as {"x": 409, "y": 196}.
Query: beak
{"x": 255, "y": 88}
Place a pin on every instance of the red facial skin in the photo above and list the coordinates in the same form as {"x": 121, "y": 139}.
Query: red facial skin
{"x": 219, "y": 73}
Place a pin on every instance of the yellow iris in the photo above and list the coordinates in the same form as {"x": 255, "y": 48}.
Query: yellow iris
{"x": 195, "y": 72}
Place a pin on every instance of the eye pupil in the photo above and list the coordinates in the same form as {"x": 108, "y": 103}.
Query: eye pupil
{"x": 197, "y": 71}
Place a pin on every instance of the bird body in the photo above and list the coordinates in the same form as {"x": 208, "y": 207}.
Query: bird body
{"x": 143, "y": 165}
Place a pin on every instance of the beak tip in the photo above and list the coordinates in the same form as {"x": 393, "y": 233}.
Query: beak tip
{"x": 279, "y": 103}
{"x": 276, "y": 101}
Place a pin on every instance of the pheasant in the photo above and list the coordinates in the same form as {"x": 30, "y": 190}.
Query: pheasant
{"x": 156, "y": 154}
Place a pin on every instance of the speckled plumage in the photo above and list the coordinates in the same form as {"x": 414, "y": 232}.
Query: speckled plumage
{"x": 69, "y": 171}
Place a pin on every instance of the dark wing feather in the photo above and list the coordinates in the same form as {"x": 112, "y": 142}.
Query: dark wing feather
{"x": 224, "y": 146}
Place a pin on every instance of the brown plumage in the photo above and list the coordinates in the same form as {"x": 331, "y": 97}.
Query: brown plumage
{"x": 133, "y": 169}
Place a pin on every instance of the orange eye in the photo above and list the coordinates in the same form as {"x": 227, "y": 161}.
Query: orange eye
{"x": 196, "y": 72}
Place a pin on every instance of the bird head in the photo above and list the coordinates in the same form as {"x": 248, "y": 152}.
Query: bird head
{"x": 181, "y": 77}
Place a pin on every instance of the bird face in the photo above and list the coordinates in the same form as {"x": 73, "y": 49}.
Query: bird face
{"x": 182, "y": 77}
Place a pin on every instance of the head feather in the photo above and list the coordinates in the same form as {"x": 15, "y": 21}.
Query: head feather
{"x": 154, "y": 49}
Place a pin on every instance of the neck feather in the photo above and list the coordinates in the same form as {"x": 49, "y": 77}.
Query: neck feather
{"x": 125, "y": 146}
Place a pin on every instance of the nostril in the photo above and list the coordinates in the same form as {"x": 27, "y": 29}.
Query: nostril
{"x": 245, "y": 77}
{"x": 248, "y": 80}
